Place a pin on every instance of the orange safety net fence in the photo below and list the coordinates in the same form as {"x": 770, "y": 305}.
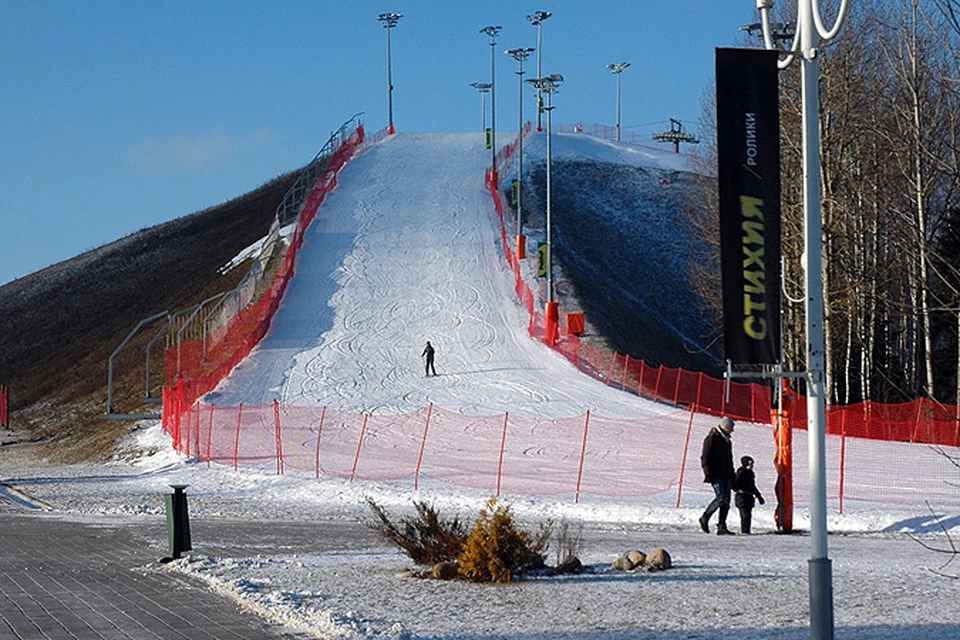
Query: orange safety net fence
{"x": 517, "y": 454}
{"x": 918, "y": 421}
{"x": 196, "y": 367}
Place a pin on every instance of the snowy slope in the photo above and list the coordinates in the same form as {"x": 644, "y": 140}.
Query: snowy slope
{"x": 405, "y": 251}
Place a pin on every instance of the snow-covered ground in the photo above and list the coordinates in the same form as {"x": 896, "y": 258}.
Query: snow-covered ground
{"x": 886, "y": 584}
{"x": 402, "y": 252}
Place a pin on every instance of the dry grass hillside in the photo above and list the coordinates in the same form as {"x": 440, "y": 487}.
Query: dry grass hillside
{"x": 59, "y": 326}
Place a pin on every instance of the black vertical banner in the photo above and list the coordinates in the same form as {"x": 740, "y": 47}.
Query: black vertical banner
{"x": 748, "y": 170}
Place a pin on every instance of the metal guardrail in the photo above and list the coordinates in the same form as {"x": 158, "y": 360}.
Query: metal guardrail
{"x": 197, "y": 321}
{"x": 110, "y": 412}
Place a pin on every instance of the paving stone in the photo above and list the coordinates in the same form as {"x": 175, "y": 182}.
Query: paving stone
{"x": 85, "y": 579}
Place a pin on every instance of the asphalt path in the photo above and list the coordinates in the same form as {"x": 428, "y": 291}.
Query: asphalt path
{"x": 92, "y": 578}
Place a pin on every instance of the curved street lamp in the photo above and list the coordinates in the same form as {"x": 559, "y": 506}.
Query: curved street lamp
{"x": 389, "y": 21}
{"x": 810, "y": 27}
{"x": 492, "y": 31}
{"x": 520, "y": 55}
{"x": 536, "y": 19}
{"x": 617, "y": 69}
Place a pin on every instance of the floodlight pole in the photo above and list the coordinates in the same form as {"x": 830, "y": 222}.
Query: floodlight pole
{"x": 617, "y": 69}
{"x": 549, "y": 110}
{"x": 536, "y": 19}
{"x": 389, "y": 21}
{"x": 492, "y": 31}
{"x": 483, "y": 88}
{"x": 520, "y": 55}
{"x": 548, "y": 85}
{"x": 804, "y": 47}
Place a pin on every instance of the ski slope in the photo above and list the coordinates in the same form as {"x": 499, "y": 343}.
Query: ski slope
{"x": 403, "y": 251}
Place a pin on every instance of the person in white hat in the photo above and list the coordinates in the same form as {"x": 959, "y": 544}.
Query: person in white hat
{"x": 716, "y": 460}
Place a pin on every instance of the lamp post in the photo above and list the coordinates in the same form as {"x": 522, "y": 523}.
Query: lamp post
{"x": 389, "y": 21}
{"x": 492, "y": 31}
{"x": 548, "y": 85}
{"x": 520, "y": 55}
{"x": 804, "y": 49}
{"x": 617, "y": 69}
{"x": 483, "y": 88}
{"x": 536, "y": 19}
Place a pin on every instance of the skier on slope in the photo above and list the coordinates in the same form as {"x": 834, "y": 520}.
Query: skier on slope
{"x": 429, "y": 352}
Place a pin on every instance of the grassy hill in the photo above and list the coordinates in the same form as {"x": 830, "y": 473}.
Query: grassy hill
{"x": 58, "y": 326}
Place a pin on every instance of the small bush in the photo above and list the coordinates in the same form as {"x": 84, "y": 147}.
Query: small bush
{"x": 427, "y": 539}
{"x": 497, "y": 549}
{"x": 569, "y": 541}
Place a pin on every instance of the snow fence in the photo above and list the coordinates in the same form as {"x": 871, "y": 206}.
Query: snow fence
{"x": 195, "y": 367}
{"x": 583, "y": 455}
{"x": 520, "y": 455}
{"x": 920, "y": 421}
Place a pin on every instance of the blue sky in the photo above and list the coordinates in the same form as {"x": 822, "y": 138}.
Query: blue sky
{"x": 116, "y": 116}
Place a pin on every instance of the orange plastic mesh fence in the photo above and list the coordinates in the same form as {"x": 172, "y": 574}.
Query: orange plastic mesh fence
{"x": 519, "y": 455}
{"x": 516, "y": 454}
{"x": 918, "y": 421}
{"x": 196, "y": 367}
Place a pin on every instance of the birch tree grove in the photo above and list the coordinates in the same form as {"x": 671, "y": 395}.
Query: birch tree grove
{"x": 890, "y": 174}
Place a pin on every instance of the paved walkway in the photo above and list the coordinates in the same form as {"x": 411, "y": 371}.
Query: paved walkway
{"x": 98, "y": 578}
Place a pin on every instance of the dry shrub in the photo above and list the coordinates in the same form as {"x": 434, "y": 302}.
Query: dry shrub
{"x": 569, "y": 541}
{"x": 497, "y": 549}
{"x": 427, "y": 538}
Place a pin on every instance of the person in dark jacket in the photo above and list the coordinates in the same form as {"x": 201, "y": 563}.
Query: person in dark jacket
{"x": 745, "y": 484}
{"x": 429, "y": 352}
{"x": 716, "y": 460}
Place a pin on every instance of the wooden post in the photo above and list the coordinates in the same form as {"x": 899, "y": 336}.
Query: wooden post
{"x": 323, "y": 415}
{"x": 356, "y": 458}
{"x": 683, "y": 458}
{"x": 583, "y": 453}
{"x": 503, "y": 442}
{"x": 423, "y": 445}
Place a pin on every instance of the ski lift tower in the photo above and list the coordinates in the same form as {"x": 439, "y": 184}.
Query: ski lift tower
{"x": 676, "y": 135}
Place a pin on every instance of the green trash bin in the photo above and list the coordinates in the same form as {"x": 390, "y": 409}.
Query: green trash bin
{"x": 178, "y": 521}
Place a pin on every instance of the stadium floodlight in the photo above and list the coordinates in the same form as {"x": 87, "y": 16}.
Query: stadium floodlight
{"x": 520, "y": 55}
{"x": 483, "y": 88}
{"x": 617, "y": 69}
{"x": 809, "y": 30}
{"x": 389, "y": 21}
{"x": 548, "y": 85}
{"x": 536, "y": 19}
{"x": 492, "y": 31}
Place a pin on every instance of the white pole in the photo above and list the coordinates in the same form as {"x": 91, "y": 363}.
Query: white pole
{"x": 519, "y": 228}
{"x": 493, "y": 110}
{"x": 809, "y": 27}
{"x": 549, "y": 110}
{"x": 389, "y": 83}
{"x": 819, "y": 569}
{"x": 618, "y": 107}
{"x": 483, "y": 111}
{"x": 492, "y": 31}
{"x": 539, "y": 73}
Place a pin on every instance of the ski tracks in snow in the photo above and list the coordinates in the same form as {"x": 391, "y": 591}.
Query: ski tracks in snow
{"x": 403, "y": 251}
